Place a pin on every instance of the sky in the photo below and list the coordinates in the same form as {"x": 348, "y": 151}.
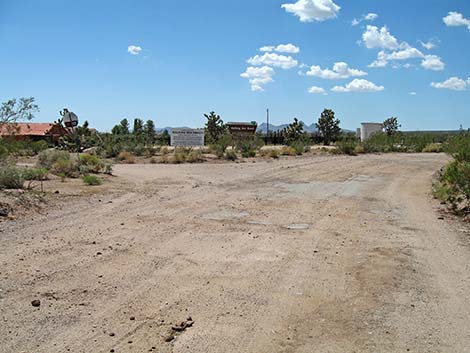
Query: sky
{"x": 173, "y": 61}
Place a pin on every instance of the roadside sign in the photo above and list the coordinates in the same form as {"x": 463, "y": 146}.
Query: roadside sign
{"x": 242, "y": 130}
{"x": 187, "y": 137}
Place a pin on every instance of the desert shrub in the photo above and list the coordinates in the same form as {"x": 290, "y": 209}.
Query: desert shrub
{"x": 90, "y": 163}
{"x": 178, "y": 157}
{"x": 453, "y": 185}
{"x": 3, "y": 152}
{"x": 288, "y": 151}
{"x": 34, "y": 174}
{"x": 347, "y": 147}
{"x": 108, "y": 168}
{"x": 194, "y": 157}
{"x": 433, "y": 148}
{"x": 39, "y": 146}
{"x": 31, "y": 174}
{"x": 300, "y": 147}
{"x": 153, "y": 160}
{"x": 269, "y": 153}
{"x": 221, "y": 145}
{"x": 359, "y": 149}
{"x": 48, "y": 158}
{"x": 249, "y": 147}
{"x": 126, "y": 157}
{"x": 66, "y": 167}
{"x": 459, "y": 147}
{"x": 230, "y": 155}
{"x": 91, "y": 180}
{"x": 11, "y": 177}
{"x": 274, "y": 154}
{"x": 165, "y": 151}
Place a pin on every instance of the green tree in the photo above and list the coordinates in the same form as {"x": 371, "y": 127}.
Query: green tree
{"x": 84, "y": 130}
{"x": 328, "y": 126}
{"x": 138, "y": 127}
{"x": 149, "y": 130}
{"x": 391, "y": 126}
{"x": 14, "y": 111}
{"x": 215, "y": 127}
{"x": 122, "y": 128}
{"x": 294, "y": 131}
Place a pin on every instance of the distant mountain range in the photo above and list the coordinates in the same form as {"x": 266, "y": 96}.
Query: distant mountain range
{"x": 307, "y": 128}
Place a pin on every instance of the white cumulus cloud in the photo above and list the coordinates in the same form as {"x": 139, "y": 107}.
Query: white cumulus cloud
{"x": 433, "y": 62}
{"x": 134, "y": 49}
{"x": 368, "y": 17}
{"x": 273, "y": 59}
{"x": 281, "y": 48}
{"x": 359, "y": 85}
{"x": 455, "y": 19}
{"x": 373, "y": 37}
{"x": 340, "y": 70}
{"x": 453, "y": 83}
{"x": 428, "y": 45}
{"x": 313, "y": 10}
{"x": 259, "y": 76}
{"x": 316, "y": 90}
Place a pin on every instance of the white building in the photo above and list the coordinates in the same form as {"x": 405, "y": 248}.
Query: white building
{"x": 367, "y": 129}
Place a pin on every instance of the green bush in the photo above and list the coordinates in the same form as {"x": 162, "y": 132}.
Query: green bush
{"x": 65, "y": 167}
{"x": 48, "y": 158}
{"x": 39, "y": 146}
{"x": 11, "y": 177}
{"x": 38, "y": 174}
{"x": 90, "y": 163}
{"x": 299, "y": 147}
{"x": 347, "y": 147}
{"x": 453, "y": 186}
{"x": 230, "y": 155}
{"x": 194, "y": 157}
{"x": 92, "y": 180}
{"x": 249, "y": 147}
{"x": 433, "y": 148}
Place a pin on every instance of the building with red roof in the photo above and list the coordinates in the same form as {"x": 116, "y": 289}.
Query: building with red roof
{"x": 33, "y": 131}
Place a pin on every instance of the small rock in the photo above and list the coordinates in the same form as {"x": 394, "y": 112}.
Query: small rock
{"x": 169, "y": 338}
{"x": 57, "y": 192}
{"x": 112, "y": 334}
{"x": 132, "y": 318}
{"x": 36, "y": 303}
{"x": 99, "y": 253}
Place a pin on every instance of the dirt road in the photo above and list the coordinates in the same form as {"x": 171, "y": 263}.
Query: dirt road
{"x": 314, "y": 254}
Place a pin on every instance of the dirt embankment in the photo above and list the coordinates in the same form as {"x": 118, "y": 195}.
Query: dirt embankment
{"x": 314, "y": 254}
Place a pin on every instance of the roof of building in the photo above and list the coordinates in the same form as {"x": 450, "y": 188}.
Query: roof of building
{"x": 28, "y": 129}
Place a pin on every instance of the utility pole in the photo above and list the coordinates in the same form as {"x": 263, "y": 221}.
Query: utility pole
{"x": 267, "y": 125}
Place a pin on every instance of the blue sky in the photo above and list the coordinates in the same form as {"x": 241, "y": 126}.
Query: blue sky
{"x": 172, "y": 61}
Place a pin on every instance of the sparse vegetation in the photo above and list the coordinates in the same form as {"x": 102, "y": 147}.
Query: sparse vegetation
{"x": 288, "y": 151}
{"x": 453, "y": 185}
{"x": 126, "y": 157}
{"x": 92, "y": 180}
{"x": 230, "y": 155}
{"x": 11, "y": 177}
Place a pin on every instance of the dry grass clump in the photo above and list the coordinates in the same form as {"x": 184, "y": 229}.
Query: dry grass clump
{"x": 126, "y": 157}
{"x": 269, "y": 153}
{"x": 288, "y": 151}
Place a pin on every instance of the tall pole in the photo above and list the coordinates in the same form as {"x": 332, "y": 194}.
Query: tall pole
{"x": 267, "y": 126}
